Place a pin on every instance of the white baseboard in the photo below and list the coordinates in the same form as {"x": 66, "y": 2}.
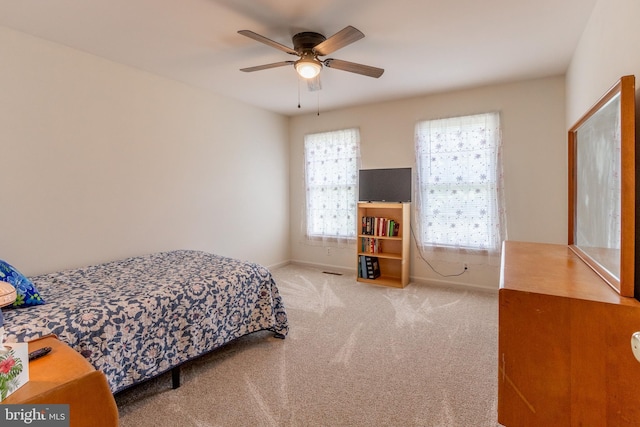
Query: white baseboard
{"x": 280, "y": 264}
{"x": 450, "y": 284}
{"x": 325, "y": 267}
{"x": 417, "y": 280}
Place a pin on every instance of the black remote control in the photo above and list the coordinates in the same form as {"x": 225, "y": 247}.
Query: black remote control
{"x": 39, "y": 353}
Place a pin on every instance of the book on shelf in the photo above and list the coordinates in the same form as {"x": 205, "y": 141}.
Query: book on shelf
{"x": 376, "y": 226}
{"x": 374, "y": 269}
{"x": 370, "y": 245}
{"x": 369, "y": 267}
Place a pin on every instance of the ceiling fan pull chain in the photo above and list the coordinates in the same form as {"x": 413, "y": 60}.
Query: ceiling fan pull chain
{"x": 298, "y": 91}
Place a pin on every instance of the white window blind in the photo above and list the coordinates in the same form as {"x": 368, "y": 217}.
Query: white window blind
{"x": 332, "y": 161}
{"x": 460, "y": 187}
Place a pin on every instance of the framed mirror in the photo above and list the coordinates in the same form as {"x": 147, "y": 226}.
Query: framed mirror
{"x": 602, "y": 192}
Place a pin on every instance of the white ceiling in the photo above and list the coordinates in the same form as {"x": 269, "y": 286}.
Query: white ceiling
{"x": 425, "y": 46}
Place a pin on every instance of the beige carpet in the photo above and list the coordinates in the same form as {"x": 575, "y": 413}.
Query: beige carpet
{"x": 356, "y": 355}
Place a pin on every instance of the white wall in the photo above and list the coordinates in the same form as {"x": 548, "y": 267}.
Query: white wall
{"x": 101, "y": 161}
{"x": 608, "y": 50}
{"x": 534, "y": 138}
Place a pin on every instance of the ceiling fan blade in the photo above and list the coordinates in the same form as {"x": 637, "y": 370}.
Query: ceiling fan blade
{"x": 352, "y": 67}
{"x": 268, "y": 42}
{"x": 342, "y": 38}
{"x": 266, "y": 66}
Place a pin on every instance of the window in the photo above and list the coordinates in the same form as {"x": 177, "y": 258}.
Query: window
{"x": 332, "y": 161}
{"x": 460, "y": 183}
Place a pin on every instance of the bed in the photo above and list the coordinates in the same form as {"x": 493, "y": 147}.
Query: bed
{"x": 139, "y": 317}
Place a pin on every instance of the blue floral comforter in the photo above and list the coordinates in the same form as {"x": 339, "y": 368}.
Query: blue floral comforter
{"x": 137, "y": 318}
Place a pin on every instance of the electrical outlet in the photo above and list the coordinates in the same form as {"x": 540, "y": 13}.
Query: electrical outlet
{"x": 328, "y": 251}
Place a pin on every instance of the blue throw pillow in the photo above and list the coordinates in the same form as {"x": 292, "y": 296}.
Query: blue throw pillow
{"x": 28, "y": 295}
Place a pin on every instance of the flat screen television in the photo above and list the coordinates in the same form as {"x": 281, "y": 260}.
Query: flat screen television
{"x": 385, "y": 185}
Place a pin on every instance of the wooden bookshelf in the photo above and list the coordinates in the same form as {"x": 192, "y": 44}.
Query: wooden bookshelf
{"x": 392, "y": 251}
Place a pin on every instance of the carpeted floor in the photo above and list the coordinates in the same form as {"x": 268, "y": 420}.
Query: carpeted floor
{"x": 356, "y": 355}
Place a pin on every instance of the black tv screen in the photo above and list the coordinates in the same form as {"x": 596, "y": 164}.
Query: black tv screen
{"x": 385, "y": 185}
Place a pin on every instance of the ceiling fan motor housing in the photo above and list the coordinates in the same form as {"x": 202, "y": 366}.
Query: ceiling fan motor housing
{"x": 306, "y": 41}
{"x": 308, "y": 66}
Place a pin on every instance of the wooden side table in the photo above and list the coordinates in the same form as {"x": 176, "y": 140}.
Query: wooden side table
{"x": 64, "y": 376}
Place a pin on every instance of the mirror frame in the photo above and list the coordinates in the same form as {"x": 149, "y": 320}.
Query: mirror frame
{"x": 624, "y": 283}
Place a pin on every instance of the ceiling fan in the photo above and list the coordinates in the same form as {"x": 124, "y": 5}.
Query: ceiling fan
{"x": 308, "y": 46}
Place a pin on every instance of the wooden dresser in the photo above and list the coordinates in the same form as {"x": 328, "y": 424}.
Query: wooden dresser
{"x": 564, "y": 349}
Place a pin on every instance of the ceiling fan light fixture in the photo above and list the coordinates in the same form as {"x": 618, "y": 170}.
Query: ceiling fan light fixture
{"x": 308, "y": 68}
